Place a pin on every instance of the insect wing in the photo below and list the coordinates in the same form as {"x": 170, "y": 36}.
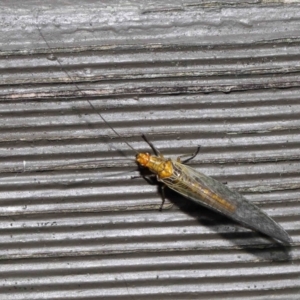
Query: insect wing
{"x": 213, "y": 194}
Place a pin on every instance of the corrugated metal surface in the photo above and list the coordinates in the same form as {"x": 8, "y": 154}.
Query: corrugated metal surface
{"x": 221, "y": 75}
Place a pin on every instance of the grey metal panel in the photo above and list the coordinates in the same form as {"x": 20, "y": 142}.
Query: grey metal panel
{"x": 221, "y": 75}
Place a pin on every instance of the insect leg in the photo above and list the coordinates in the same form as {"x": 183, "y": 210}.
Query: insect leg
{"x": 151, "y": 179}
{"x": 188, "y": 159}
{"x": 162, "y": 189}
{"x": 155, "y": 150}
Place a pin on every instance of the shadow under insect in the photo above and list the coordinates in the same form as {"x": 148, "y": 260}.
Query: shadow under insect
{"x": 190, "y": 184}
{"x": 242, "y": 237}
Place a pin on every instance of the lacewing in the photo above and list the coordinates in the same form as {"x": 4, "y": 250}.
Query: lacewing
{"x": 209, "y": 192}
{"x": 198, "y": 187}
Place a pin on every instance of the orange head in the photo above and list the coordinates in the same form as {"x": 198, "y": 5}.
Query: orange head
{"x": 143, "y": 159}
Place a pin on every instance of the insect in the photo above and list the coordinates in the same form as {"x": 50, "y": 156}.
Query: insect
{"x": 209, "y": 192}
{"x": 200, "y": 188}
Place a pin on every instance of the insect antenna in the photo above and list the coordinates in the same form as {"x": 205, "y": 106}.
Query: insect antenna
{"x": 82, "y": 93}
